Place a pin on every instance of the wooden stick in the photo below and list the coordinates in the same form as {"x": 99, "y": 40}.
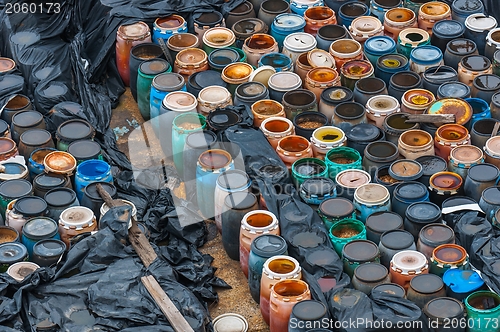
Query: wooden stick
{"x": 495, "y": 129}
{"x": 179, "y": 323}
{"x": 431, "y": 118}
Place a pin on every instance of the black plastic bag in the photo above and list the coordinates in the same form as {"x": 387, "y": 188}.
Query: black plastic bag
{"x": 394, "y": 310}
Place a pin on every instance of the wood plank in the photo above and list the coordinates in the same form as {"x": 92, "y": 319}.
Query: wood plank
{"x": 178, "y": 322}
{"x": 431, "y": 118}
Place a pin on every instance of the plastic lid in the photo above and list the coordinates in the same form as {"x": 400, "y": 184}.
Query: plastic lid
{"x": 45, "y": 180}
{"x": 53, "y": 89}
{"x": 423, "y": 212}
{"x": 252, "y": 89}
{"x": 276, "y": 60}
{"x": 307, "y": 239}
{"x": 6, "y": 145}
{"x": 466, "y": 154}
{"x": 336, "y": 95}
{"x": 49, "y": 248}
{"x": 76, "y": 216}
{"x": 230, "y": 55}
{"x": 491, "y": 195}
{"x": 60, "y": 197}
{"x": 363, "y": 132}
{"x": 21, "y": 270}
{"x": 30, "y": 206}
{"x": 35, "y": 137}
{"x": 467, "y": 5}
{"x": 360, "y": 251}
{"x": 13, "y": 168}
{"x": 448, "y": 29}
{"x": 432, "y": 164}
{"x": 457, "y": 201}
{"x": 411, "y": 190}
{"x": 91, "y": 190}
{"x": 320, "y": 58}
{"x": 371, "y": 272}
{"x": 233, "y": 180}
{"x": 323, "y": 257}
{"x": 4, "y": 127}
{"x": 15, "y": 188}
{"x": 208, "y": 78}
{"x": 300, "y": 42}
{"x": 444, "y": 307}
{"x": 168, "y": 82}
{"x": 309, "y": 310}
{"x": 426, "y": 283}
{"x": 436, "y": 234}
{"x": 269, "y": 245}
{"x": 454, "y": 90}
{"x": 480, "y": 22}
{"x": 318, "y": 186}
{"x": 380, "y": 45}
{"x": 154, "y": 67}
{"x": 12, "y": 252}
{"x": 336, "y": 207}
{"x": 384, "y": 221}
{"x": 59, "y": 162}
{"x": 449, "y": 253}
{"x": 405, "y": 170}
{"x": 284, "y": 80}
{"x": 230, "y": 323}
{"x": 397, "y": 239}
{"x": 287, "y": 22}
{"x": 201, "y": 139}
{"x": 221, "y": 119}
{"x": 262, "y": 74}
{"x": 134, "y": 30}
{"x": 352, "y": 178}
{"x": 40, "y": 228}
{"x": 483, "y": 172}
{"x": 75, "y": 129}
{"x": 84, "y": 149}
{"x": 390, "y": 288}
{"x": 181, "y": 101}
{"x": 27, "y": 118}
{"x": 462, "y": 281}
{"x": 426, "y": 54}
{"x": 372, "y": 193}
{"x": 240, "y": 200}
{"x": 409, "y": 260}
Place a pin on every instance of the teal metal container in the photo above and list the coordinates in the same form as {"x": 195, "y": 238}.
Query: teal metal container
{"x": 345, "y": 231}
{"x": 183, "y": 125}
{"x": 481, "y": 319}
{"x": 147, "y": 72}
{"x": 337, "y": 160}
{"x": 307, "y": 168}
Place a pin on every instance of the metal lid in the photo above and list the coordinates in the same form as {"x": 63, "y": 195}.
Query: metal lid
{"x": 352, "y": 178}
{"x": 380, "y": 45}
{"x": 363, "y": 132}
{"x": 372, "y": 193}
{"x": 491, "y": 195}
{"x": 479, "y": 22}
{"x": 12, "y": 252}
{"x": 300, "y": 42}
{"x": 406, "y": 170}
{"x": 168, "y": 82}
{"x": 371, "y": 272}
{"x": 45, "y": 180}
{"x": 462, "y": 281}
{"x": 49, "y": 248}
{"x": 336, "y": 207}
{"x": 84, "y": 149}
{"x": 35, "y": 137}
{"x": 233, "y": 180}
{"x": 483, "y": 172}
{"x": 426, "y": 283}
{"x": 423, "y": 212}
{"x": 60, "y": 197}
{"x": 262, "y": 74}
{"x": 444, "y": 308}
{"x": 391, "y": 289}
{"x": 12, "y": 189}
{"x": 410, "y": 190}
{"x": 21, "y": 270}
{"x": 75, "y": 129}
{"x": 230, "y": 323}
{"x": 286, "y": 22}
{"x": 91, "y": 190}
{"x": 269, "y": 245}
{"x": 30, "y": 206}
{"x": 40, "y": 228}
{"x": 318, "y": 186}
{"x": 449, "y": 29}
{"x": 240, "y": 200}
{"x": 397, "y": 239}
{"x": 384, "y": 221}
{"x": 59, "y": 162}
{"x": 26, "y": 119}
{"x": 309, "y": 310}
{"x": 77, "y": 217}
{"x": 320, "y": 58}
{"x": 360, "y": 251}
{"x": 408, "y": 261}
{"x": 432, "y": 164}
{"x": 284, "y": 81}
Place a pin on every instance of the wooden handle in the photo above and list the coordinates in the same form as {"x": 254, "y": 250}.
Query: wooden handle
{"x": 431, "y": 118}
{"x": 110, "y": 202}
{"x": 495, "y": 129}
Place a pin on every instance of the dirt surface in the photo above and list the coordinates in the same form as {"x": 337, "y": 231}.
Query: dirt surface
{"x": 138, "y": 141}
